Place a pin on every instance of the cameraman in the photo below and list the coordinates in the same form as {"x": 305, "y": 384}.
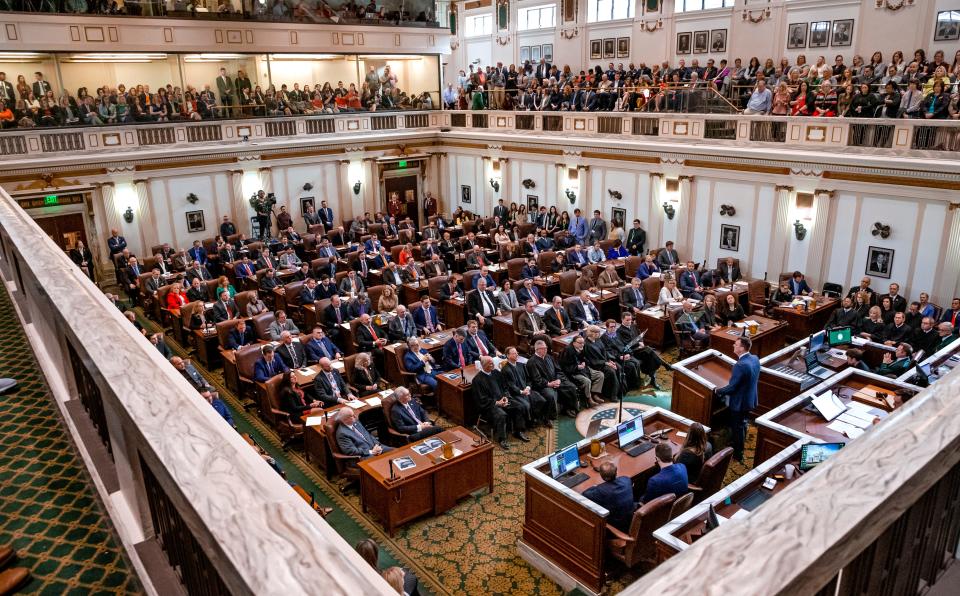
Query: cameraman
{"x": 266, "y": 203}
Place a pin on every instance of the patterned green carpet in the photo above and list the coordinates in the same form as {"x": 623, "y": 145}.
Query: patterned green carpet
{"x": 471, "y": 549}
{"x": 48, "y": 512}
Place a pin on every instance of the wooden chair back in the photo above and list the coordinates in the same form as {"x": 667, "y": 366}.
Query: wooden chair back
{"x": 631, "y": 265}
{"x": 568, "y": 283}
{"x": 713, "y": 472}
{"x": 514, "y": 267}
{"x": 261, "y": 324}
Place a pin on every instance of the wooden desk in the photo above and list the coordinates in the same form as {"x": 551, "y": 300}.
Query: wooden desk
{"x": 311, "y": 318}
{"x": 767, "y": 340}
{"x": 694, "y": 382}
{"x": 503, "y": 331}
{"x": 805, "y": 323}
{"x": 560, "y": 342}
{"x": 314, "y": 438}
{"x": 433, "y": 486}
{"x": 549, "y": 286}
{"x": 454, "y": 313}
{"x": 413, "y": 290}
{"x": 941, "y": 363}
{"x": 455, "y": 401}
{"x": 659, "y": 334}
{"x": 390, "y": 361}
{"x": 793, "y": 420}
{"x": 207, "y": 342}
{"x": 739, "y": 289}
{"x": 608, "y": 303}
{"x": 678, "y": 534}
{"x": 563, "y": 532}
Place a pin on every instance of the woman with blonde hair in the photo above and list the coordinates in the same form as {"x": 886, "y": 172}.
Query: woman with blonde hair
{"x": 388, "y": 300}
{"x": 365, "y": 376}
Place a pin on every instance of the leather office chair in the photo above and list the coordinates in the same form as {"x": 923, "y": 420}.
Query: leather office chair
{"x": 346, "y": 465}
{"x": 162, "y": 312}
{"x": 514, "y": 267}
{"x": 409, "y": 379}
{"x": 374, "y": 295}
{"x": 568, "y": 283}
{"x": 211, "y": 286}
{"x": 246, "y": 359}
{"x": 181, "y": 325}
{"x": 833, "y": 290}
{"x": 354, "y": 323}
{"x": 606, "y": 245}
{"x": 261, "y": 323}
{"x": 527, "y": 228}
{"x": 631, "y": 265}
{"x": 406, "y": 235}
{"x": 243, "y": 299}
{"x": 310, "y": 246}
{"x": 681, "y": 505}
{"x": 544, "y": 259}
{"x": 638, "y": 546}
{"x": 316, "y": 229}
{"x": 433, "y": 288}
{"x": 149, "y": 263}
{"x": 712, "y": 474}
{"x": 223, "y": 330}
{"x": 337, "y": 237}
{"x": 291, "y": 300}
{"x": 146, "y": 299}
{"x": 376, "y": 229}
{"x": 269, "y": 399}
{"x": 524, "y": 343}
{"x": 395, "y": 253}
{"x": 651, "y": 289}
{"x": 469, "y": 226}
{"x": 685, "y": 341}
{"x": 338, "y": 277}
{"x": 394, "y": 437}
{"x": 349, "y": 362}
{"x": 468, "y": 280}
{"x": 757, "y": 296}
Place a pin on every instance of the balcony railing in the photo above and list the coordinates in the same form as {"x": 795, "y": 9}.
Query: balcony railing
{"x": 176, "y": 477}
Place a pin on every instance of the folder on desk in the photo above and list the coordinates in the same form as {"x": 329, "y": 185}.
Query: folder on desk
{"x": 829, "y": 405}
{"x": 314, "y": 420}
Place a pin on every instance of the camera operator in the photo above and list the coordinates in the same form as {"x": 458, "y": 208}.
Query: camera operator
{"x": 265, "y": 208}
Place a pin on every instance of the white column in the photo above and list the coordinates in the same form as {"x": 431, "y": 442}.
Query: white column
{"x": 145, "y": 220}
{"x": 946, "y": 281}
{"x": 684, "y": 240}
{"x": 818, "y": 237}
{"x": 370, "y": 195}
{"x": 112, "y": 214}
{"x": 239, "y": 204}
{"x": 443, "y": 184}
{"x": 266, "y": 180}
{"x": 583, "y": 193}
{"x": 506, "y": 183}
{"x": 345, "y": 189}
{"x": 561, "y": 200}
{"x": 655, "y": 222}
{"x": 780, "y": 234}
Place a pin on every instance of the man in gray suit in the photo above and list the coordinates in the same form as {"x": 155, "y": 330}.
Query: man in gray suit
{"x": 667, "y": 257}
{"x": 597, "y": 230}
{"x": 402, "y": 326}
{"x": 226, "y": 90}
{"x": 353, "y": 438}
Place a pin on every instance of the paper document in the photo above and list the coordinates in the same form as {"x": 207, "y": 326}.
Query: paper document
{"x": 837, "y": 353}
{"x": 355, "y": 403}
{"x": 373, "y": 402}
{"x": 844, "y": 429}
{"x": 314, "y": 420}
{"x": 742, "y": 513}
{"x": 829, "y": 405}
{"x": 848, "y": 417}
{"x": 386, "y": 392}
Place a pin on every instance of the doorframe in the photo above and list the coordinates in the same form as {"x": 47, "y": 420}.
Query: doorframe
{"x": 384, "y": 174}
{"x": 85, "y": 209}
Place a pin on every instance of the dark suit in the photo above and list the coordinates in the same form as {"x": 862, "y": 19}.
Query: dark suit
{"x": 475, "y": 304}
{"x": 541, "y": 371}
{"x": 950, "y": 316}
{"x": 524, "y": 295}
{"x": 193, "y": 377}
{"x": 895, "y": 368}
{"x": 844, "y": 318}
{"x": 473, "y": 344}
{"x": 897, "y": 334}
{"x": 514, "y": 377}
{"x": 236, "y": 340}
{"x": 307, "y": 295}
{"x": 672, "y": 479}
{"x": 366, "y": 342}
{"x": 323, "y": 348}
{"x": 799, "y": 287}
{"x": 400, "y": 329}
{"x": 296, "y": 405}
{"x": 487, "y": 390}
{"x": 899, "y": 302}
{"x": 452, "y": 352}
{"x": 329, "y": 391}
{"x": 636, "y": 240}
{"x": 406, "y": 417}
{"x": 330, "y": 320}
{"x": 632, "y": 297}
{"x": 427, "y": 319}
{"x": 263, "y": 372}
{"x": 742, "y": 394}
{"x": 356, "y": 441}
{"x": 297, "y": 359}
{"x": 666, "y": 258}
{"x": 557, "y": 322}
{"x": 197, "y": 293}
{"x": 925, "y": 340}
{"x": 223, "y": 311}
{"x": 729, "y": 274}
{"x": 578, "y": 313}
{"x": 199, "y": 272}
{"x": 617, "y": 498}
{"x": 447, "y": 294}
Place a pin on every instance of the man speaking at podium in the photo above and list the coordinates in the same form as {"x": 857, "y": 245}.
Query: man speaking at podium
{"x": 741, "y": 392}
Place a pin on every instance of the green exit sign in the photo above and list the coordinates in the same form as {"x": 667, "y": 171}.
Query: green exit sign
{"x": 402, "y": 164}
{"x": 51, "y": 200}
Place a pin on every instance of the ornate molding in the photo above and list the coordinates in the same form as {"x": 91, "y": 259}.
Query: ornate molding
{"x": 570, "y": 33}
{"x": 894, "y": 6}
{"x": 141, "y": 180}
{"x": 785, "y": 187}
{"x": 831, "y": 194}
{"x": 764, "y": 15}
{"x": 953, "y": 206}
{"x": 651, "y": 28}
{"x": 685, "y": 177}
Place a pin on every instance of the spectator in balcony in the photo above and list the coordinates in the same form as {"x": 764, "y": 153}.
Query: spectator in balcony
{"x": 936, "y": 105}
{"x": 226, "y": 89}
{"x": 41, "y": 87}
{"x": 825, "y": 104}
{"x": 857, "y": 65}
{"x": 449, "y": 97}
{"x": 88, "y": 112}
{"x": 477, "y": 101}
{"x": 781, "y": 100}
{"x": 864, "y": 103}
{"x": 761, "y": 100}
{"x": 23, "y": 89}
{"x": 844, "y": 99}
{"x": 939, "y": 74}
{"x": 891, "y": 100}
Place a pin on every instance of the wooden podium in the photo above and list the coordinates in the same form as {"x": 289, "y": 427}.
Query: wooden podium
{"x": 694, "y": 382}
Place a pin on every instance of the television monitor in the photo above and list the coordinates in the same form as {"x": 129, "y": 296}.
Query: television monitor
{"x": 840, "y": 336}
{"x": 816, "y": 341}
{"x": 812, "y": 454}
{"x": 564, "y": 461}
{"x": 630, "y": 431}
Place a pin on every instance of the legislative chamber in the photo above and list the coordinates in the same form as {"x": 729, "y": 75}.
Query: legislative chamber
{"x": 480, "y": 297}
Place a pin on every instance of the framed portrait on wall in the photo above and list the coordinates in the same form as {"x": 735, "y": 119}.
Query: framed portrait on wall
{"x": 948, "y": 26}
{"x": 535, "y": 53}
{"x": 524, "y": 54}
{"x": 700, "y": 41}
{"x": 195, "y": 222}
{"x": 305, "y": 203}
{"x": 533, "y": 203}
{"x": 730, "y": 237}
{"x": 842, "y": 33}
{"x": 596, "y": 49}
{"x": 546, "y": 51}
{"x": 503, "y": 15}
{"x": 797, "y": 36}
{"x": 718, "y": 41}
{"x": 819, "y": 34}
{"x": 569, "y": 11}
{"x": 609, "y": 48}
{"x": 683, "y": 42}
{"x": 464, "y": 194}
{"x": 618, "y": 216}
{"x": 623, "y": 47}
{"x": 880, "y": 262}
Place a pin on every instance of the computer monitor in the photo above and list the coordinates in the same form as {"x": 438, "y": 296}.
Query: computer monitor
{"x": 816, "y": 341}
{"x": 840, "y": 336}
{"x": 564, "y": 461}
{"x": 630, "y": 431}
{"x": 812, "y": 454}
{"x": 810, "y": 359}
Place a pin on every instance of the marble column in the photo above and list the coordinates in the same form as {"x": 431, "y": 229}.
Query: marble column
{"x": 506, "y": 183}
{"x": 945, "y": 285}
{"x": 780, "y": 234}
{"x": 239, "y": 204}
{"x": 370, "y": 194}
{"x": 685, "y": 221}
{"x": 266, "y": 179}
{"x": 561, "y": 200}
{"x": 816, "y": 259}
{"x": 583, "y": 193}
{"x": 111, "y": 213}
{"x": 344, "y": 189}
{"x": 145, "y": 219}
{"x": 654, "y": 225}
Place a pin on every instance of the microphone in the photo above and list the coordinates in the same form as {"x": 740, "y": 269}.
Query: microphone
{"x": 482, "y": 436}
{"x": 393, "y": 473}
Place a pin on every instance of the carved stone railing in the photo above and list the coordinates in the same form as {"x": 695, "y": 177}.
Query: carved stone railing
{"x": 170, "y": 472}
{"x": 881, "y": 516}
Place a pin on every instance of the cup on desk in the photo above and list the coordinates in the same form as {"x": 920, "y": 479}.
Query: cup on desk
{"x": 754, "y": 328}
{"x": 595, "y": 448}
{"x": 448, "y": 451}
{"x": 788, "y": 471}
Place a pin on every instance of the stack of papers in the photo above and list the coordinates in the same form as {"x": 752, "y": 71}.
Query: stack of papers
{"x": 355, "y": 403}
{"x": 314, "y": 420}
{"x": 654, "y": 312}
{"x": 373, "y": 402}
{"x": 829, "y": 405}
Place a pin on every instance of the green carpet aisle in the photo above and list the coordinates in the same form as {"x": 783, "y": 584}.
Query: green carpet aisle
{"x": 47, "y": 508}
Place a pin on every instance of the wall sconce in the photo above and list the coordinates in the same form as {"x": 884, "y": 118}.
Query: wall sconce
{"x": 727, "y": 210}
{"x": 356, "y": 187}
{"x": 528, "y": 183}
{"x": 571, "y": 195}
{"x": 128, "y": 215}
{"x": 652, "y": 26}
{"x": 307, "y": 186}
{"x": 669, "y": 210}
{"x": 615, "y": 194}
{"x": 881, "y": 230}
{"x": 495, "y": 184}
{"x": 799, "y": 230}
{"x": 570, "y": 33}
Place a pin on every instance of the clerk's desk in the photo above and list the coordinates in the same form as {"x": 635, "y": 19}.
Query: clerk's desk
{"x": 797, "y": 419}
{"x": 563, "y": 532}
{"x": 695, "y": 380}
{"x": 678, "y": 534}
{"x": 783, "y": 373}
{"x": 806, "y": 322}
{"x": 769, "y": 337}
{"x": 940, "y": 362}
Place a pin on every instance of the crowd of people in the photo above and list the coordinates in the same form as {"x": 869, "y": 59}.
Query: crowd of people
{"x": 898, "y": 88}
{"x": 35, "y": 103}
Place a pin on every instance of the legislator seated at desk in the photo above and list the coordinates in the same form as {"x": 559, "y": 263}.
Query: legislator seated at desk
{"x": 330, "y": 386}
{"x": 353, "y": 439}
{"x": 409, "y": 417}
{"x": 240, "y": 336}
{"x": 418, "y": 361}
{"x": 318, "y": 345}
{"x": 291, "y": 352}
{"x": 296, "y": 400}
{"x": 556, "y": 319}
{"x": 268, "y": 365}
{"x": 671, "y": 478}
{"x": 425, "y": 317}
{"x": 615, "y": 495}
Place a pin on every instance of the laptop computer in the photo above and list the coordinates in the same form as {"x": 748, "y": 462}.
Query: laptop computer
{"x": 814, "y": 368}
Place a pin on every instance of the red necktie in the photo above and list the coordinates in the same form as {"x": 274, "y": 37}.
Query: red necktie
{"x": 480, "y": 347}
{"x": 373, "y": 333}
{"x": 229, "y": 312}
{"x": 463, "y": 363}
